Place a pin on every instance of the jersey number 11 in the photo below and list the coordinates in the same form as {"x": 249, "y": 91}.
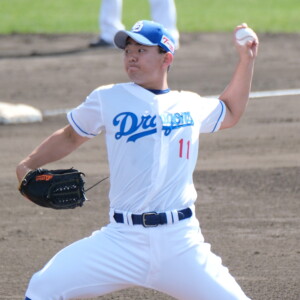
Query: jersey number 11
{"x": 184, "y": 153}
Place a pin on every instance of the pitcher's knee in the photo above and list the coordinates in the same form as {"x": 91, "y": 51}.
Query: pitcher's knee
{"x": 41, "y": 288}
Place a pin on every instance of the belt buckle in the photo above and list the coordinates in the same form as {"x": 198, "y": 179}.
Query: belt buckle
{"x": 144, "y": 215}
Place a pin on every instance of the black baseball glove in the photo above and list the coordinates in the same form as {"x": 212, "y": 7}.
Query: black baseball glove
{"x": 57, "y": 189}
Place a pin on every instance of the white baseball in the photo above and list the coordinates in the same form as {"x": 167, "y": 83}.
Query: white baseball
{"x": 244, "y": 35}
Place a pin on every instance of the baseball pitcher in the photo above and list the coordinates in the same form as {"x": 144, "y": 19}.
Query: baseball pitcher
{"x": 153, "y": 239}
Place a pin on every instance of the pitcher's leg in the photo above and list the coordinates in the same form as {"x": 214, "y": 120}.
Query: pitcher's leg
{"x": 94, "y": 266}
{"x": 189, "y": 270}
{"x": 208, "y": 279}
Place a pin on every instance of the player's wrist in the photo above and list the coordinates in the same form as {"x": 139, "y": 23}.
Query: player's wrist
{"x": 246, "y": 60}
{"x": 21, "y": 171}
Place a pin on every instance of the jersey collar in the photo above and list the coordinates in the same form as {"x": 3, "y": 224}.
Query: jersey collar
{"x": 159, "y": 92}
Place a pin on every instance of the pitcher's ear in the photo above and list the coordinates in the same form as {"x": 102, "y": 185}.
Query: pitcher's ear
{"x": 168, "y": 59}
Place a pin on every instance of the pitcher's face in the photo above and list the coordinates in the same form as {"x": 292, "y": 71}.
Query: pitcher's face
{"x": 144, "y": 65}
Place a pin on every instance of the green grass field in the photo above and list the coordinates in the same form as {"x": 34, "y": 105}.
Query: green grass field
{"x": 71, "y": 16}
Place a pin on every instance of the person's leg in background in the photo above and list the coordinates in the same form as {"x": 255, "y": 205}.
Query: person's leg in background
{"x": 164, "y": 12}
{"x": 110, "y": 21}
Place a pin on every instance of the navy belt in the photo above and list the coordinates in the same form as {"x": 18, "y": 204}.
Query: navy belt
{"x": 153, "y": 219}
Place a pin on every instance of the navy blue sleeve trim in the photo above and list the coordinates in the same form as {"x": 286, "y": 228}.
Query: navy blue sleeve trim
{"x": 221, "y": 114}
{"x": 80, "y": 128}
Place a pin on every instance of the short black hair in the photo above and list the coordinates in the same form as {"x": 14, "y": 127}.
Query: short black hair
{"x": 161, "y": 50}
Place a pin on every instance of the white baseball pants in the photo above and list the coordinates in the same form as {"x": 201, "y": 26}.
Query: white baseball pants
{"x": 110, "y": 17}
{"x": 172, "y": 259}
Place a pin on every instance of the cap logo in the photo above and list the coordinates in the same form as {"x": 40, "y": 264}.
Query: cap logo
{"x": 168, "y": 43}
{"x": 137, "y": 26}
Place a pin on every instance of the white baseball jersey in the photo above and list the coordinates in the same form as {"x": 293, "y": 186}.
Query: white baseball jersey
{"x": 152, "y": 145}
{"x": 152, "y": 142}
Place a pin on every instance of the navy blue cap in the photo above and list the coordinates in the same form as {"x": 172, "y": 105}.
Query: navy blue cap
{"x": 146, "y": 33}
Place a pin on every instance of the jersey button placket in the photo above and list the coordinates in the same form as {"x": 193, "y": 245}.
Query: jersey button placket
{"x": 159, "y": 153}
